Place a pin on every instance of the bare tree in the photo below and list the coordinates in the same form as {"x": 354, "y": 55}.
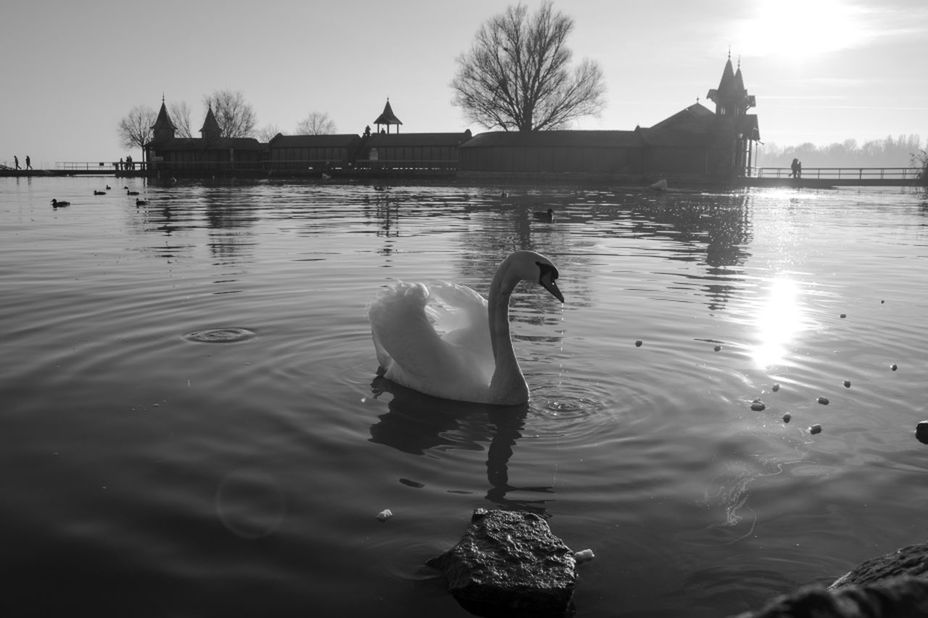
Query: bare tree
{"x": 267, "y": 132}
{"x": 316, "y": 123}
{"x": 235, "y": 116}
{"x": 135, "y": 128}
{"x": 516, "y": 75}
{"x": 180, "y": 116}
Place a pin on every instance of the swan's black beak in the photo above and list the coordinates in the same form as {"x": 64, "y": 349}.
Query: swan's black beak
{"x": 547, "y": 280}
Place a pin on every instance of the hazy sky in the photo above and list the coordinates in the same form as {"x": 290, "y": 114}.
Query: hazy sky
{"x": 822, "y": 70}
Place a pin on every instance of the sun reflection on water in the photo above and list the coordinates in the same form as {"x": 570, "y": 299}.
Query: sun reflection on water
{"x": 778, "y": 322}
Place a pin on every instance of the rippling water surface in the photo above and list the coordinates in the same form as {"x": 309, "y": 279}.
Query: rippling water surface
{"x": 191, "y": 426}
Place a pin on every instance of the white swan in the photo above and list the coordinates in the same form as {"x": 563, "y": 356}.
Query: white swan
{"x": 447, "y": 341}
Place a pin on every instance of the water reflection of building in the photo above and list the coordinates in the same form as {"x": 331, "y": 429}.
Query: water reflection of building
{"x": 693, "y": 144}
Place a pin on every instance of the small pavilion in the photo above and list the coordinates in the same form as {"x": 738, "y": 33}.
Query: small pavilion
{"x": 388, "y": 118}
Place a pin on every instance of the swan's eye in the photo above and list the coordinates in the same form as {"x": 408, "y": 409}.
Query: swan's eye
{"x": 546, "y": 269}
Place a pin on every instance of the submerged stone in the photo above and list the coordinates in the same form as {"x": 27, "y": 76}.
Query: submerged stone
{"x": 509, "y": 563}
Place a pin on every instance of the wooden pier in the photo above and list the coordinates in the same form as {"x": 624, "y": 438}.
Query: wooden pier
{"x": 824, "y": 177}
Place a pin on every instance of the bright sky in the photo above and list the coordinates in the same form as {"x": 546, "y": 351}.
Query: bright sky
{"x": 822, "y": 70}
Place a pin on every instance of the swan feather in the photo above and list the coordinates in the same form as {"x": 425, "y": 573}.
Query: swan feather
{"x": 434, "y": 338}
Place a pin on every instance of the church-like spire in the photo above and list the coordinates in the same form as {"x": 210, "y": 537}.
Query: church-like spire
{"x": 210, "y": 130}
{"x": 163, "y": 130}
{"x": 731, "y": 97}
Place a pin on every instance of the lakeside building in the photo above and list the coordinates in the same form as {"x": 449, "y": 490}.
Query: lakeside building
{"x": 693, "y": 144}
{"x": 209, "y": 154}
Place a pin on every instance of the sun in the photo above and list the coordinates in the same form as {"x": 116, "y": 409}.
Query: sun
{"x": 801, "y": 30}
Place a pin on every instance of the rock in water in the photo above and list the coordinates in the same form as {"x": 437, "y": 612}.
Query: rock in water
{"x": 508, "y": 563}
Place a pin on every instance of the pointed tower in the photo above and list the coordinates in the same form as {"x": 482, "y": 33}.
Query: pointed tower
{"x": 388, "y": 118}
{"x": 731, "y": 98}
{"x": 163, "y": 130}
{"x": 735, "y": 126}
{"x": 210, "y": 131}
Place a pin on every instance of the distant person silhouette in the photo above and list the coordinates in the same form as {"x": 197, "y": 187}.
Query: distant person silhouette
{"x": 16, "y": 161}
{"x": 796, "y": 169}
{"x": 28, "y": 163}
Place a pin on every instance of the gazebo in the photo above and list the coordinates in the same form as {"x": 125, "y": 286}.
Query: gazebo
{"x": 388, "y": 118}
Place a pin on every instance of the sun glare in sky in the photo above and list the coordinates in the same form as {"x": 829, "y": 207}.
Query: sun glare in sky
{"x": 801, "y": 30}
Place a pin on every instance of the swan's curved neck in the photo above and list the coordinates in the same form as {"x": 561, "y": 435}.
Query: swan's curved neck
{"x": 508, "y": 384}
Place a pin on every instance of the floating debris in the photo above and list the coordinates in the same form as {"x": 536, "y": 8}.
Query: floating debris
{"x": 787, "y": 417}
{"x": 814, "y": 429}
{"x": 384, "y": 515}
{"x": 718, "y": 348}
{"x": 638, "y": 343}
{"x": 775, "y": 387}
{"x": 758, "y": 406}
{"x": 921, "y": 432}
{"x": 823, "y": 400}
{"x": 584, "y": 555}
{"x": 847, "y": 384}
{"x": 843, "y": 315}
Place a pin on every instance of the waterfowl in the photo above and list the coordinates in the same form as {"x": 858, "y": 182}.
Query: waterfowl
{"x": 141, "y": 202}
{"x": 59, "y": 203}
{"x": 108, "y": 187}
{"x": 447, "y": 341}
{"x": 95, "y": 192}
{"x": 128, "y": 192}
{"x": 545, "y": 215}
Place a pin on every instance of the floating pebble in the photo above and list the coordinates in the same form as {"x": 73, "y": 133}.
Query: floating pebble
{"x": 787, "y": 417}
{"x": 921, "y": 432}
{"x": 847, "y": 384}
{"x": 584, "y": 555}
{"x": 638, "y": 343}
{"x": 823, "y": 401}
{"x": 758, "y": 406}
{"x": 775, "y": 387}
{"x": 814, "y": 429}
{"x": 894, "y": 366}
{"x": 384, "y": 515}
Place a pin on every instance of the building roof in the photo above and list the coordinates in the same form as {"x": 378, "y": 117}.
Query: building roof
{"x": 385, "y": 140}
{"x": 223, "y": 143}
{"x": 339, "y": 140}
{"x": 163, "y": 121}
{"x": 691, "y": 126}
{"x": 541, "y": 139}
{"x": 210, "y": 125}
{"x": 387, "y": 116}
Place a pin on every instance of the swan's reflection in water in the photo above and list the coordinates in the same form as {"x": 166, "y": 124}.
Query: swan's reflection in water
{"x": 416, "y": 423}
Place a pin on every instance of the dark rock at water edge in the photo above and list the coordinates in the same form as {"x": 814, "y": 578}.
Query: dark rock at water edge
{"x": 893, "y": 585}
{"x": 508, "y": 563}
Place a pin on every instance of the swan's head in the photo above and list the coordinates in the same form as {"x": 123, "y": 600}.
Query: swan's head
{"x": 532, "y": 266}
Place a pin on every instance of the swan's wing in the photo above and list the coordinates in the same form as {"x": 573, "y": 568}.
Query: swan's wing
{"x": 433, "y": 338}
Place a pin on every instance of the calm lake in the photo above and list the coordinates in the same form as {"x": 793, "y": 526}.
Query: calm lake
{"x": 190, "y": 424}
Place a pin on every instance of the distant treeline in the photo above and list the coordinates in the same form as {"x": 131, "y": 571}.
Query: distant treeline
{"x": 901, "y": 151}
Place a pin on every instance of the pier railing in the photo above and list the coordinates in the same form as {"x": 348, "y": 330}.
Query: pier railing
{"x": 102, "y": 167}
{"x": 905, "y": 174}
